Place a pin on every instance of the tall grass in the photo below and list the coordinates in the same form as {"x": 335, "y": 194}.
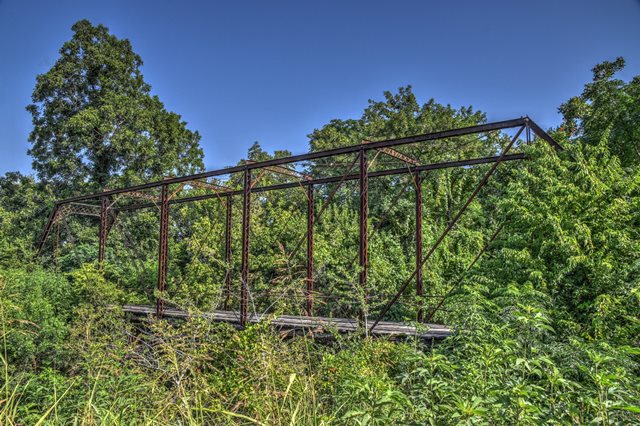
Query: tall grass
{"x": 496, "y": 370}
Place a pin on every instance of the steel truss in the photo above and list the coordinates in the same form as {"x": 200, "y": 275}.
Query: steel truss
{"x": 107, "y": 210}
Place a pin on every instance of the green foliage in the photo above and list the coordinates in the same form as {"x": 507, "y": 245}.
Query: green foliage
{"x": 398, "y": 115}
{"x": 608, "y": 108}
{"x": 96, "y": 123}
{"x": 501, "y": 372}
{"x": 196, "y": 372}
{"x": 35, "y": 306}
{"x": 546, "y": 323}
{"x": 574, "y": 234}
{"x": 91, "y": 287}
{"x": 23, "y": 210}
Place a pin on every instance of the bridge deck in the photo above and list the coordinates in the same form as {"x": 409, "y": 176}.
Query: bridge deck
{"x": 315, "y": 324}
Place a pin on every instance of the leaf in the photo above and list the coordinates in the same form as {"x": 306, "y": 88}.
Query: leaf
{"x": 630, "y": 408}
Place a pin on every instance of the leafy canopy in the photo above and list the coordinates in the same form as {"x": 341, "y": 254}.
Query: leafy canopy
{"x": 607, "y": 108}
{"x": 96, "y": 123}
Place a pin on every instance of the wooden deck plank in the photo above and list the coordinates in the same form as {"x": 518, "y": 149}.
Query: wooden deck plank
{"x": 388, "y": 328}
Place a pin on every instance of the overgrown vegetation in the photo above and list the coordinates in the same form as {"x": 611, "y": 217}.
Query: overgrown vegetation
{"x": 546, "y": 323}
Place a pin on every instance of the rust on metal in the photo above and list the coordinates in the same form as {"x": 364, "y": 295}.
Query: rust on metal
{"x": 141, "y": 195}
{"x": 220, "y": 189}
{"x": 364, "y": 221}
{"x": 396, "y": 154}
{"x": 227, "y": 252}
{"x": 246, "y": 241}
{"x": 103, "y": 229}
{"x": 310, "y": 288}
{"x": 163, "y": 248}
{"x": 107, "y": 213}
{"x": 419, "y": 289}
{"x": 286, "y": 171}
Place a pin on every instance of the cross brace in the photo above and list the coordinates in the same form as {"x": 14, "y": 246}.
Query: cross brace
{"x": 396, "y": 154}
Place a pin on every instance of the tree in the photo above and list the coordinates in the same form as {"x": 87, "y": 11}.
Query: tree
{"x": 96, "y": 123}
{"x": 398, "y": 115}
{"x": 391, "y": 199}
{"x": 24, "y": 205}
{"x": 608, "y": 108}
{"x": 573, "y": 234}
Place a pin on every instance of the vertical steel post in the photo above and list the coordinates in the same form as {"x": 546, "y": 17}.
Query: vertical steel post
{"x": 163, "y": 247}
{"x": 419, "y": 290}
{"x": 102, "y": 233}
{"x": 246, "y": 228}
{"x": 310, "y": 222}
{"x": 364, "y": 216}
{"x": 528, "y": 136}
{"x": 57, "y": 243}
{"x": 227, "y": 252}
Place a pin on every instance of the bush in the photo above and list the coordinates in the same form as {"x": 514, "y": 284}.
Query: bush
{"x": 35, "y": 306}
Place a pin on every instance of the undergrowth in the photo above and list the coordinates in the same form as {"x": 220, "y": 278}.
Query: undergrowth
{"x": 497, "y": 369}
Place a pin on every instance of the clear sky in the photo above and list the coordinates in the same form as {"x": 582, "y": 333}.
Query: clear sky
{"x": 272, "y": 71}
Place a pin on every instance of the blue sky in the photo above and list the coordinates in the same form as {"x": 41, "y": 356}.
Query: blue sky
{"x": 272, "y": 71}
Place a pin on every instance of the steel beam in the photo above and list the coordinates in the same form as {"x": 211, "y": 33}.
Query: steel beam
{"x": 55, "y": 249}
{"x": 363, "y": 228}
{"x": 163, "y": 248}
{"x": 396, "y": 154}
{"x": 544, "y": 135}
{"x": 246, "y": 240}
{"x": 320, "y": 181}
{"x": 310, "y": 222}
{"x": 103, "y": 211}
{"x": 482, "y": 128}
{"x": 113, "y": 216}
{"x": 419, "y": 290}
{"x": 333, "y": 179}
{"x": 284, "y": 171}
{"x": 102, "y": 233}
{"x": 227, "y": 252}
{"x": 47, "y": 228}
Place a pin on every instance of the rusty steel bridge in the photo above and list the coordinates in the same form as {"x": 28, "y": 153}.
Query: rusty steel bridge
{"x": 168, "y": 191}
